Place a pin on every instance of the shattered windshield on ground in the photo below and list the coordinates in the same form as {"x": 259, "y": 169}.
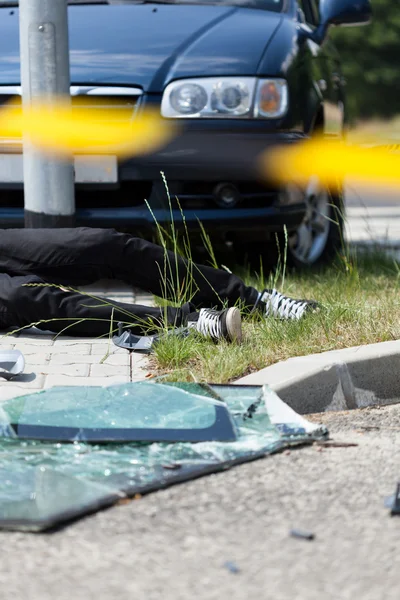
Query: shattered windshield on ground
{"x": 43, "y": 483}
{"x": 137, "y": 413}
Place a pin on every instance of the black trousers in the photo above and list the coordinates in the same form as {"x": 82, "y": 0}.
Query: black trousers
{"x": 80, "y": 256}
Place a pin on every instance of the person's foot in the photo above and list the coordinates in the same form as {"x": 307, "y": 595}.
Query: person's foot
{"x": 218, "y": 324}
{"x": 277, "y": 305}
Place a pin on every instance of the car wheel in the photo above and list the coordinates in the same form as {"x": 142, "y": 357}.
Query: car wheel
{"x": 320, "y": 235}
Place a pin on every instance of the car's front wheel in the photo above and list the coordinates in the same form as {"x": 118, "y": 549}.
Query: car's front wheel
{"x": 316, "y": 240}
{"x": 320, "y": 235}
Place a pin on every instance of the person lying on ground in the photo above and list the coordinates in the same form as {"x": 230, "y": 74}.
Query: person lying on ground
{"x": 37, "y": 266}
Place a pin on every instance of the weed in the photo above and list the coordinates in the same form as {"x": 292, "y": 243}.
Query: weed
{"x": 358, "y": 294}
{"x": 360, "y": 304}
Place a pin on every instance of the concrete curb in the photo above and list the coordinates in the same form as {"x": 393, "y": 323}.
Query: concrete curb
{"x": 336, "y": 380}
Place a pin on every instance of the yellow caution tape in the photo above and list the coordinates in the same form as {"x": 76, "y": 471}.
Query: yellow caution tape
{"x": 58, "y": 128}
{"x": 64, "y": 130}
{"x": 331, "y": 162}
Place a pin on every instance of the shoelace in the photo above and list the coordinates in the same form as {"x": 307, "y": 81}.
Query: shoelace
{"x": 209, "y": 323}
{"x": 278, "y": 305}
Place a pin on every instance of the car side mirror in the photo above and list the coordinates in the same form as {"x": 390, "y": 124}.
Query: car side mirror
{"x": 345, "y": 12}
{"x": 341, "y": 12}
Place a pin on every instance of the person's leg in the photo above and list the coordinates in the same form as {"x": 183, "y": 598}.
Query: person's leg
{"x": 83, "y": 255}
{"x": 163, "y": 273}
{"x": 28, "y": 300}
{"x": 76, "y": 256}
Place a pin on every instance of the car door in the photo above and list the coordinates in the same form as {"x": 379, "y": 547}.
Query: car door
{"x": 326, "y": 72}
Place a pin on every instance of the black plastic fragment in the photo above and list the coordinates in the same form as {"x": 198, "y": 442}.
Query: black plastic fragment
{"x": 141, "y": 343}
{"x": 128, "y": 340}
{"x": 302, "y": 534}
{"x": 394, "y": 502}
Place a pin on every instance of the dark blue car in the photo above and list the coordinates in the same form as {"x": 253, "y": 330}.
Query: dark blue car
{"x": 240, "y": 75}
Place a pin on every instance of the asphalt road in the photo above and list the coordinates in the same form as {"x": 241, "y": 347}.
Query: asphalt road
{"x": 373, "y": 215}
{"x": 226, "y": 536}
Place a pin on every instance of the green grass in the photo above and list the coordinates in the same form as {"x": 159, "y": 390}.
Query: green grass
{"x": 360, "y": 305}
{"x": 358, "y": 294}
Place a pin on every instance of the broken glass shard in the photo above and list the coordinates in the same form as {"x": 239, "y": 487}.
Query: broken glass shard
{"x": 139, "y": 412}
{"x": 44, "y": 494}
{"x": 43, "y": 482}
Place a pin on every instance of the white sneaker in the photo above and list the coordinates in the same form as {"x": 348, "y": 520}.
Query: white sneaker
{"x": 219, "y": 324}
{"x": 282, "y": 307}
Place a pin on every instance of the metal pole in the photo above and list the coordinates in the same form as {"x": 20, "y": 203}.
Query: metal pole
{"x": 44, "y": 48}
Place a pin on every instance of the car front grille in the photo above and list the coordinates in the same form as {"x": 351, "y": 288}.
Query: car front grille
{"x": 99, "y": 99}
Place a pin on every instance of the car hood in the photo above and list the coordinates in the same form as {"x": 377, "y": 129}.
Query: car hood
{"x": 150, "y": 44}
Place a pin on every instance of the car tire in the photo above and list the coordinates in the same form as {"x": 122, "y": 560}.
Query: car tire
{"x": 290, "y": 248}
{"x": 321, "y": 234}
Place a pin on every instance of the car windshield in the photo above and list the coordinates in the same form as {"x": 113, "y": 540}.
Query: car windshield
{"x": 274, "y": 5}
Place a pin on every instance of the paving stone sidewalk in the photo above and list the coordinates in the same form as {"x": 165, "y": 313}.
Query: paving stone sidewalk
{"x": 74, "y": 360}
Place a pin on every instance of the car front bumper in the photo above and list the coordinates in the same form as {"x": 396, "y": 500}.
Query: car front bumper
{"x": 192, "y": 166}
{"x": 211, "y": 154}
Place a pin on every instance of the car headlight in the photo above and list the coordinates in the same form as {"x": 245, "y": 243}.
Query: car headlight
{"x": 271, "y": 98}
{"x": 222, "y": 97}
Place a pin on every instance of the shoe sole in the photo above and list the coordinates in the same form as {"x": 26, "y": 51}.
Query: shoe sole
{"x": 234, "y": 324}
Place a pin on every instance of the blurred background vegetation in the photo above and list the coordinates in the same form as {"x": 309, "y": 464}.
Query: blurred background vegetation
{"x": 371, "y": 63}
